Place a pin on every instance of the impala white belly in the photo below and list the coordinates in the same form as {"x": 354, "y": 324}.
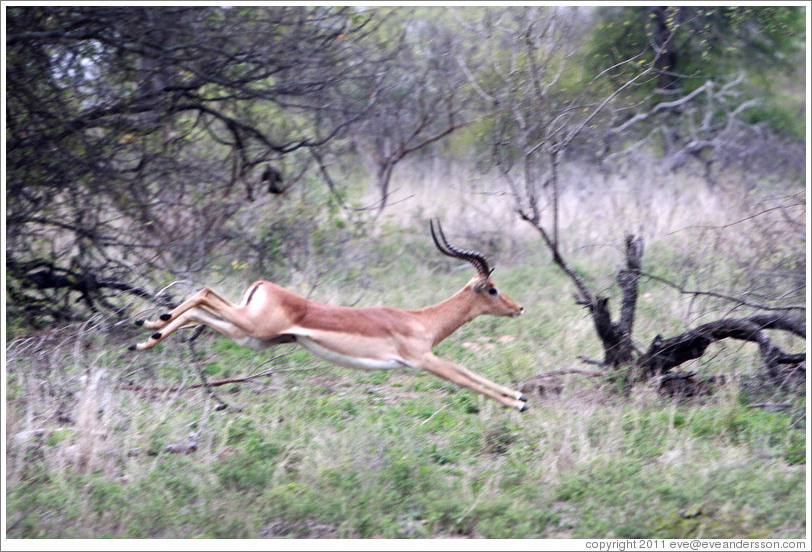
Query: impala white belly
{"x": 349, "y": 361}
{"x": 255, "y": 343}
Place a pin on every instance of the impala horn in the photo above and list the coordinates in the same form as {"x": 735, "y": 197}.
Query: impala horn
{"x": 473, "y": 257}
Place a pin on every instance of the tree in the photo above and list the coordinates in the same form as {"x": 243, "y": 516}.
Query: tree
{"x": 695, "y": 42}
{"x": 537, "y": 127}
{"x": 423, "y": 99}
{"x": 121, "y": 119}
{"x": 732, "y": 63}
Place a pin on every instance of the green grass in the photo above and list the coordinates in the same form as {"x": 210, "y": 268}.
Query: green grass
{"x": 329, "y": 452}
{"x": 432, "y": 466}
{"x": 318, "y": 451}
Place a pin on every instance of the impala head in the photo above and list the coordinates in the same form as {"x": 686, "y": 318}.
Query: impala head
{"x": 491, "y": 299}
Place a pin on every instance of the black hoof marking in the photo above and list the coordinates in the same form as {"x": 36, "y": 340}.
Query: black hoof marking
{"x": 156, "y": 335}
{"x": 523, "y": 398}
{"x": 139, "y": 322}
{"x": 524, "y": 407}
{"x": 133, "y": 347}
{"x": 165, "y": 316}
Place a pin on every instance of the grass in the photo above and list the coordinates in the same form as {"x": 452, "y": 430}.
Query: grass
{"x": 313, "y": 451}
{"x": 371, "y": 458}
{"x": 336, "y": 453}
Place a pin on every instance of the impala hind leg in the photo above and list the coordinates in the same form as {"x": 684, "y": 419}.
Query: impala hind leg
{"x": 194, "y": 315}
{"x": 459, "y": 375}
{"x": 206, "y": 297}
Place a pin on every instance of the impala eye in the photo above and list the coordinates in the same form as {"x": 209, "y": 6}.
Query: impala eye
{"x": 492, "y": 291}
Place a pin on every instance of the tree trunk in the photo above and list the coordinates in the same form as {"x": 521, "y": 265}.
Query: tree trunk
{"x": 617, "y": 337}
{"x": 665, "y": 354}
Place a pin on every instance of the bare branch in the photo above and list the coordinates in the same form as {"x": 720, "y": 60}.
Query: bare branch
{"x": 737, "y": 300}
{"x": 664, "y": 354}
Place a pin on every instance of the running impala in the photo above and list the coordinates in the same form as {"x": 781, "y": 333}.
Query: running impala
{"x": 367, "y": 338}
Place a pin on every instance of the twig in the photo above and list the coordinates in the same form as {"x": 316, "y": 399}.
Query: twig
{"x": 564, "y": 371}
{"x": 221, "y": 404}
{"x": 719, "y": 295}
{"x": 432, "y": 416}
{"x": 734, "y": 223}
{"x": 133, "y": 387}
{"x": 772, "y": 407}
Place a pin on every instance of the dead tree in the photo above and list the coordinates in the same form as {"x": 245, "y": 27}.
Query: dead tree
{"x": 666, "y": 354}
{"x": 536, "y": 127}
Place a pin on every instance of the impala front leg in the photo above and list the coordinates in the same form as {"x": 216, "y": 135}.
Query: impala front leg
{"x": 459, "y": 375}
{"x": 506, "y": 391}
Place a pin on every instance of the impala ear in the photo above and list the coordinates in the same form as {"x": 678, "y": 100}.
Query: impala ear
{"x": 482, "y": 283}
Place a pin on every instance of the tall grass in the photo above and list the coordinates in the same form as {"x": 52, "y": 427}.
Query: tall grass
{"x": 313, "y": 451}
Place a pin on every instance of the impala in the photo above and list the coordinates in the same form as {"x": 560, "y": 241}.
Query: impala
{"x": 367, "y": 338}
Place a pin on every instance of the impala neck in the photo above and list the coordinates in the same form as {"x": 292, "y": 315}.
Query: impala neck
{"x": 446, "y": 317}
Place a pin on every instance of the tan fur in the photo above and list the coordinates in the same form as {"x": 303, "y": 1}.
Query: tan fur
{"x": 368, "y": 338}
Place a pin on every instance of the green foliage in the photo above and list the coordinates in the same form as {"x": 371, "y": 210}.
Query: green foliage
{"x": 708, "y": 43}
{"x": 244, "y": 473}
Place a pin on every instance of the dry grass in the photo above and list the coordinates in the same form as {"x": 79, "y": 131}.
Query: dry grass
{"x": 593, "y": 206}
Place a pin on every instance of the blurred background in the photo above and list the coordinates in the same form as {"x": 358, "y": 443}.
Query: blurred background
{"x": 146, "y": 145}
{"x": 153, "y": 150}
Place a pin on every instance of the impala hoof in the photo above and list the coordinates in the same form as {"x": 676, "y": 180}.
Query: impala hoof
{"x": 156, "y": 335}
{"x": 524, "y": 407}
{"x": 166, "y": 316}
{"x": 139, "y": 322}
{"x": 522, "y": 398}
{"x": 133, "y": 347}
